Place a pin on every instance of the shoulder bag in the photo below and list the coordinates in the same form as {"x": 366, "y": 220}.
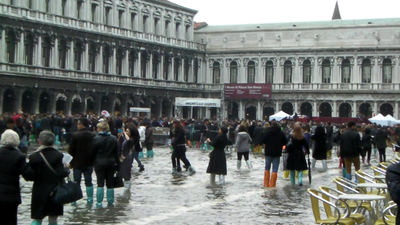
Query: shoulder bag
{"x": 64, "y": 193}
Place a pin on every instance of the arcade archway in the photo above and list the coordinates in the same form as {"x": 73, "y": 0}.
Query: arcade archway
{"x": 345, "y": 110}
{"x": 325, "y": 110}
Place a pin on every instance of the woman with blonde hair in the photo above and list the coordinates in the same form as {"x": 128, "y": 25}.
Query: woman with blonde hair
{"x": 297, "y": 149}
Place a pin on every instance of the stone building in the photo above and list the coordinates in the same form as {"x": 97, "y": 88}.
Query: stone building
{"x": 91, "y": 55}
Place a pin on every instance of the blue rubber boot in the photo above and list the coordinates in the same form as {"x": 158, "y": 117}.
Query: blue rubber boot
{"x": 150, "y": 154}
{"x": 36, "y": 222}
{"x": 300, "y": 176}
{"x": 292, "y": 176}
{"x": 89, "y": 194}
{"x": 110, "y": 196}
{"x": 356, "y": 179}
{"x": 348, "y": 176}
{"x": 140, "y": 155}
{"x": 99, "y": 196}
{"x": 344, "y": 173}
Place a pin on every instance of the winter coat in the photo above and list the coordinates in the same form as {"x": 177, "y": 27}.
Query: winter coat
{"x": 149, "y": 138}
{"x": 124, "y": 151}
{"x": 46, "y": 123}
{"x": 350, "y": 144}
{"x": 45, "y": 181}
{"x": 366, "y": 144}
{"x": 393, "y": 183}
{"x": 274, "y": 140}
{"x": 13, "y": 163}
{"x": 217, "y": 163}
{"x": 320, "y": 147}
{"x": 380, "y": 139}
{"x": 80, "y": 148}
{"x": 179, "y": 138}
{"x": 105, "y": 150}
{"x": 243, "y": 141}
{"x": 296, "y": 159}
{"x": 258, "y": 135}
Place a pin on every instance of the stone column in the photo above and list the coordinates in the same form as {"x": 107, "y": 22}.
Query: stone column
{"x": 241, "y": 113}
{"x": 36, "y": 102}
{"x": 316, "y": 74}
{"x": 85, "y": 58}
{"x": 277, "y": 108}
{"x": 113, "y": 64}
{"x": 334, "y": 113}
{"x": 277, "y": 72}
{"x": 315, "y": 110}
{"x": 149, "y": 72}
{"x": 171, "y": 74}
{"x": 55, "y": 56}
{"x": 354, "y": 109}
{"x": 396, "y": 72}
{"x": 2, "y": 49}
{"x": 296, "y": 107}
{"x": 259, "y": 110}
{"x": 39, "y": 51}
{"x": 125, "y": 71}
{"x": 68, "y": 104}
{"x": 355, "y": 74}
{"x": 21, "y": 47}
{"x": 161, "y": 73}
{"x": 182, "y": 70}
{"x": 100, "y": 63}
{"x": 139, "y": 64}
{"x": 18, "y": 104}
{"x": 191, "y": 74}
{"x": 335, "y": 72}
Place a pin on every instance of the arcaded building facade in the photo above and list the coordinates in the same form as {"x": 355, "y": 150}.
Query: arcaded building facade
{"x": 84, "y": 56}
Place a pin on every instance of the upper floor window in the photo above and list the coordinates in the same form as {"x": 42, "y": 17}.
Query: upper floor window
{"x": 107, "y": 53}
{"x": 216, "y": 73}
{"x": 30, "y": 4}
{"x": 63, "y": 7}
{"x": 177, "y": 27}
{"x": 46, "y": 48}
{"x": 144, "y": 56}
{"x": 94, "y": 12}
{"x": 251, "y": 72}
{"x": 12, "y": 2}
{"x": 326, "y": 71}
{"x": 167, "y": 34}
{"x": 11, "y": 45}
{"x": 121, "y": 18}
{"x": 156, "y": 25}
{"x": 62, "y": 54}
{"x": 186, "y": 70}
{"x": 269, "y": 72}
{"x": 92, "y": 57}
{"x": 145, "y": 23}
{"x": 78, "y": 51}
{"x": 195, "y": 70}
{"x": 307, "y": 71}
{"x": 287, "y": 72}
{"x": 47, "y": 5}
{"x": 366, "y": 71}
{"x": 107, "y": 17}
{"x": 387, "y": 71}
{"x": 187, "y": 32}
{"x": 346, "y": 71}
{"x": 133, "y": 21}
{"x": 79, "y": 4}
{"x": 156, "y": 62}
{"x": 233, "y": 72}
{"x": 29, "y": 49}
{"x": 120, "y": 58}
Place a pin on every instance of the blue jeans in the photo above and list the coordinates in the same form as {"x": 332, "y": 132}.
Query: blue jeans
{"x": 87, "y": 173}
{"x": 275, "y": 163}
{"x": 56, "y": 130}
{"x": 135, "y": 156}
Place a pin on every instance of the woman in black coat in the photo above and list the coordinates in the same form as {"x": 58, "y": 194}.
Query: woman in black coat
{"x": 46, "y": 180}
{"x": 320, "y": 147}
{"x": 178, "y": 142}
{"x": 127, "y": 140}
{"x": 13, "y": 164}
{"x": 217, "y": 163}
{"x": 296, "y": 152}
{"x": 258, "y": 136}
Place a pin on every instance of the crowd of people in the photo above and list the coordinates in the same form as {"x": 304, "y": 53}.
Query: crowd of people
{"x": 109, "y": 146}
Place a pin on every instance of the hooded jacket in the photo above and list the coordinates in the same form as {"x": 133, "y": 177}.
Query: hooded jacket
{"x": 274, "y": 140}
{"x": 243, "y": 141}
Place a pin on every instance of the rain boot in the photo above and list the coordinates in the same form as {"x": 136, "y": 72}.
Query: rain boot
{"x": 150, "y": 154}
{"x": 127, "y": 185}
{"x": 340, "y": 163}
{"x": 313, "y": 161}
{"x": 110, "y": 196}
{"x": 292, "y": 177}
{"x": 89, "y": 195}
{"x": 356, "y": 179}
{"x": 300, "y": 176}
{"x": 140, "y": 155}
{"x": 36, "y": 222}
{"x": 272, "y": 181}
{"x": 191, "y": 170}
{"x": 174, "y": 171}
{"x": 249, "y": 164}
{"x": 99, "y": 196}
{"x": 344, "y": 173}
{"x": 212, "y": 179}
{"x": 238, "y": 164}
{"x": 348, "y": 176}
{"x": 285, "y": 174}
{"x": 324, "y": 165}
{"x": 266, "y": 178}
{"x": 221, "y": 179}
{"x": 141, "y": 168}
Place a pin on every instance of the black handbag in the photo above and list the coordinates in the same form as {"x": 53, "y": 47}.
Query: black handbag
{"x": 64, "y": 193}
{"x": 118, "y": 182}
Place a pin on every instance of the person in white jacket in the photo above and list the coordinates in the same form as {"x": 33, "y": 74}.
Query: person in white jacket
{"x": 142, "y": 134}
{"x": 243, "y": 144}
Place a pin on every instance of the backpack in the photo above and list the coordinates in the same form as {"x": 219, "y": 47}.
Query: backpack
{"x": 38, "y": 124}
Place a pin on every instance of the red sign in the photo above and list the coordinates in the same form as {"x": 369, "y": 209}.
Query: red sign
{"x": 241, "y": 91}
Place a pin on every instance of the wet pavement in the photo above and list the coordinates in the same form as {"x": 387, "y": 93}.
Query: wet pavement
{"x": 157, "y": 197}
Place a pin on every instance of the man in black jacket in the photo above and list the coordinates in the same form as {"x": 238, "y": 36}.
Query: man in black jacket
{"x": 393, "y": 183}
{"x": 82, "y": 163}
{"x": 350, "y": 148}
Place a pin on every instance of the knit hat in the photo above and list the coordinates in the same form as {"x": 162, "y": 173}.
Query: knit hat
{"x": 9, "y": 138}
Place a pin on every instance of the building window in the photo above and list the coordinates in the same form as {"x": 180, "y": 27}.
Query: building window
{"x": 167, "y": 29}
{"x": 346, "y": 72}
{"x": 12, "y": 2}
{"x": 287, "y": 72}
{"x": 132, "y": 61}
{"x": 306, "y": 71}
{"x": 79, "y": 9}
{"x": 62, "y": 54}
{"x": 387, "y": 71}
{"x": 187, "y": 32}
{"x": 120, "y": 58}
{"x": 29, "y": 48}
{"x": 177, "y": 34}
{"x": 107, "y": 17}
{"x": 269, "y": 72}
{"x": 11, "y": 46}
{"x": 156, "y": 59}
{"x": 177, "y": 64}
{"x": 47, "y": 5}
{"x": 251, "y": 72}
{"x": 233, "y": 72}
{"x": 63, "y": 7}
{"x": 156, "y": 22}
{"x": 94, "y": 9}
{"x": 121, "y": 18}
{"x": 195, "y": 70}
{"x": 46, "y": 51}
{"x": 326, "y": 71}
{"x": 30, "y": 4}
{"x": 186, "y": 70}
{"x": 216, "y": 73}
{"x": 366, "y": 71}
{"x": 167, "y": 61}
{"x": 143, "y": 64}
{"x": 92, "y": 58}
{"x": 144, "y": 24}
{"x": 78, "y": 51}
{"x": 107, "y": 52}
{"x": 133, "y": 16}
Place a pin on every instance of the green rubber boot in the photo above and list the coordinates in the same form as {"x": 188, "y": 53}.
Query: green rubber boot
{"x": 292, "y": 177}
{"x": 110, "y": 196}
{"x": 89, "y": 194}
{"x": 99, "y": 196}
{"x": 36, "y": 222}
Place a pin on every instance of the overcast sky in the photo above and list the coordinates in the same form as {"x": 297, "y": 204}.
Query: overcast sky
{"x": 220, "y": 12}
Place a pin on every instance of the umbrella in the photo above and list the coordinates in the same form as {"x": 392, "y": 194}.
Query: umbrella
{"x": 309, "y": 168}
